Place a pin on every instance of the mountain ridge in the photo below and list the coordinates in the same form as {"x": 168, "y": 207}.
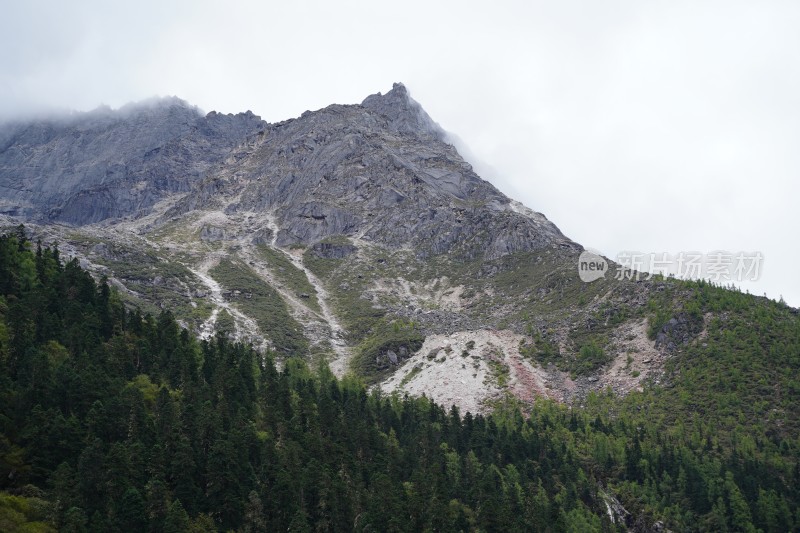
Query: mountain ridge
{"x": 394, "y": 290}
{"x": 170, "y": 149}
{"x": 347, "y": 157}
{"x": 356, "y": 234}
{"x": 359, "y": 225}
{"x": 50, "y": 170}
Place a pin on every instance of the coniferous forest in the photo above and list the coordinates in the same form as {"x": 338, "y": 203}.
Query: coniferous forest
{"x": 111, "y": 420}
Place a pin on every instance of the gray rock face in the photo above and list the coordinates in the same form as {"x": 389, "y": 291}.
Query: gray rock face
{"x": 403, "y": 113}
{"x": 212, "y": 234}
{"x": 679, "y": 330}
{"x": 381, "y": 171}
{"x": 313, "y": 221}
{"x": 333, "y": 251}
{"x": 105, "y": 164}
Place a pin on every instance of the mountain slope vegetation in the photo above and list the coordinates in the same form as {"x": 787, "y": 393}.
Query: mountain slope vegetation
{"x": 333, "y": 323}
{"x": 116, "y": 421}
{"x": 326, "y": 234}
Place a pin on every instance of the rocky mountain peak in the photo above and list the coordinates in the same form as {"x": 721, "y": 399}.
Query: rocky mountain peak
{"x": 382, "y": 170}
{"x": 160, "y": 104}
{"x": 88, "y": 167}
{"x": 404, "y": 114}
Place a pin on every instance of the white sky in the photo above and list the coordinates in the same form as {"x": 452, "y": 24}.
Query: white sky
{"x": 634, "y": 125}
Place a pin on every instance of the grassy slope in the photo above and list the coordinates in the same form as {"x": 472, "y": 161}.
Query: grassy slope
{"x": 294, "y": 278}
{"x": 265, "y": 305}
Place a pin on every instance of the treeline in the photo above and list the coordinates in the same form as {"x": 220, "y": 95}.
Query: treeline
{"x": 114, "y": 421}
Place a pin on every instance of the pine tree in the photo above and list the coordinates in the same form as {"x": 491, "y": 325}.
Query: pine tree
{"x": 176, "y": 520}
{"x": 130, "y": 512}
{"x": 254, "y": 520}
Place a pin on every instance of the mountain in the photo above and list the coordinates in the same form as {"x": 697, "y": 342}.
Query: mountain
{"x": 356, "y": 233}
{"x": 381, "y": 169}
{"x": 115, "y": 421}
{"x": 353, "y": 215}
{"x": 379, "y": 172}
{"x": 355, "y": 238}
{"x": 89, "y": 167}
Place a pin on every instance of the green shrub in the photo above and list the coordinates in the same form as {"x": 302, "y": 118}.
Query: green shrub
{"x": 387, "y": 335}
{"x": 591, "y": 356}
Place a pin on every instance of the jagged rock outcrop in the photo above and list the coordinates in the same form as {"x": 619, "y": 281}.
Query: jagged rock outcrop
{"x": 679, "y": 330}
{"x": 90, "y": 167}
{"x": 327, "y": 250}
{"x": 403, "y": 113}
{"x": 213, "y": 234}
{"x": 380, "y": 171}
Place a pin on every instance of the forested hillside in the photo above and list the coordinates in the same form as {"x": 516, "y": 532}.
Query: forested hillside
{"x": 115, "y": 421}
